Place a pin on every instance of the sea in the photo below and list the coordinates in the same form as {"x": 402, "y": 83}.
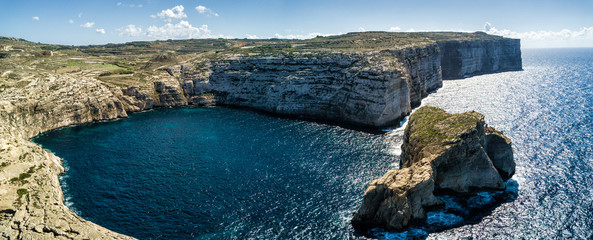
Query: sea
{"x": 221, "y": 173}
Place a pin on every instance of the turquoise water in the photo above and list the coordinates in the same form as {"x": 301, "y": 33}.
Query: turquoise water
{"x": 218, "y": 173}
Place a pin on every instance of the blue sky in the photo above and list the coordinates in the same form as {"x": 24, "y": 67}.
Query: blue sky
{"x": 540, "y": 23}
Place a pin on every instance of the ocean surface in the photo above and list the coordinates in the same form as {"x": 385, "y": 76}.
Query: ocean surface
{"x": 218, "y": 173}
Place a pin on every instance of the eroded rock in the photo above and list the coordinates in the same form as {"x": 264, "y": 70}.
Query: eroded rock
{"x": 441, "y": 153}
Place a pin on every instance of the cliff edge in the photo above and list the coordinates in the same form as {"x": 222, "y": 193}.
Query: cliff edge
{"x": 442, "y": 154}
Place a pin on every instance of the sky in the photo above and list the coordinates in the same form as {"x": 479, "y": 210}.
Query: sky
{"x": 539, "y": 24}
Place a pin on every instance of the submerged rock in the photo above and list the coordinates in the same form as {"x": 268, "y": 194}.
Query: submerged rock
{"x": 442, "y": 153}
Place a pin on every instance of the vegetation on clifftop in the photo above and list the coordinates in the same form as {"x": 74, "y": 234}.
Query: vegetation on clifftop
{"x": 130, "y": 63}
{"x": 435, "y": 128}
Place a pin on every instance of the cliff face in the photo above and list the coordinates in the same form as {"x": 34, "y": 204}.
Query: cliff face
{"x": 465, "y": 58}
{"x": 374, "y": 88}
{"x": 370, "y": 88}
{"x": 442, "y": 153}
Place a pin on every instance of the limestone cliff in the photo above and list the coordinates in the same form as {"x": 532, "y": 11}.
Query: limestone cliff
{"x": 367, "y": 87}
{"x": 374, "y": 88}
{"x": 442, "y": 153}
{"x": 460, "y": 59}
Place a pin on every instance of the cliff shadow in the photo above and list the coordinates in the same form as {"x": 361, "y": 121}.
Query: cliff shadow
{"x": 457, "y": 211}
{"x": 342, "y": 124}
{"x": 476, "y": 74}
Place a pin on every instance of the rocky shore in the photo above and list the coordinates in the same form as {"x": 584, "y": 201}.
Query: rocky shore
{"x": 31, "y": 202}
{"x": 351, "y": 79}
{"x": 442, "y": 153}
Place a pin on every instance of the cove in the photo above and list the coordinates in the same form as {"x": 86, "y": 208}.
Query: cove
{"x": 219, "y": 173}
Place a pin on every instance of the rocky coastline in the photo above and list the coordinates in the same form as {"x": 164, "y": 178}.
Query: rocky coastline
{"x": 375, "y": 87}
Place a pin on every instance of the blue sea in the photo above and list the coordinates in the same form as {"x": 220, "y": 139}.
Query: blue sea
{"x": 220, "y": 173}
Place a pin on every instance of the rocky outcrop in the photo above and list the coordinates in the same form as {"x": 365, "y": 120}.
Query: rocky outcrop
{"x": 168, "y": 92}
{"x": 442, "y": 153}
{"x": 460, "y": 59}
{"x": 498, "y": 147}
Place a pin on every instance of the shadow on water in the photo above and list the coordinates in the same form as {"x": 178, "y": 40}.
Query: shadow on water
{"x": 343, "y": 124}
{"x": 458, "y": 211}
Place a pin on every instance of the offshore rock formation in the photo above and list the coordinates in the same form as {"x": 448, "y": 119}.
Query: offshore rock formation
{"x": 442, "y": 153}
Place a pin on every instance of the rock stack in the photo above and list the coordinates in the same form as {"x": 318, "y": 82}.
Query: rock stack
{"x": 442, "y": 154}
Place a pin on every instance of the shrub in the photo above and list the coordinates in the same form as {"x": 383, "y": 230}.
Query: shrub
{"x": 13, "y": 76}
{"x": 117, "y": 71}
{"x": 21, "y": 178}
{"x": 21, "y": 192}
{"x": 165, "y": 58}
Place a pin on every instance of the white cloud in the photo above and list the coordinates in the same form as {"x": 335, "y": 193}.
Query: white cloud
{"x": 487, "y": 26}
{"x": 88, "y": 25}
{"x": 170, "y": 14}
{"x": 70, "y": 21}
{"x": 301, "y": 36}
{"x": 201, "y": 9}
{"x": 437, "y": 30}
{"x": 130, "y": 31}
{"x": 36, "y": 18}
{"x": 585, "y": 33}
{"x": 120, "y": 4}
{"x": 183, "y": 29}
{"x": 79, "y": 15}
{"x": 100, "y": 30}
{"x": 204, "y": 10}
{"x": 361, "y": 29}
{"x": 395, "y": 29}
{"x": 249, "y": 36}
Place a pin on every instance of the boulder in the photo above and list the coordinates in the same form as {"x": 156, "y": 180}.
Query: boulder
{"x": 499, "y": 149}
{"x": 442, "y": 153}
